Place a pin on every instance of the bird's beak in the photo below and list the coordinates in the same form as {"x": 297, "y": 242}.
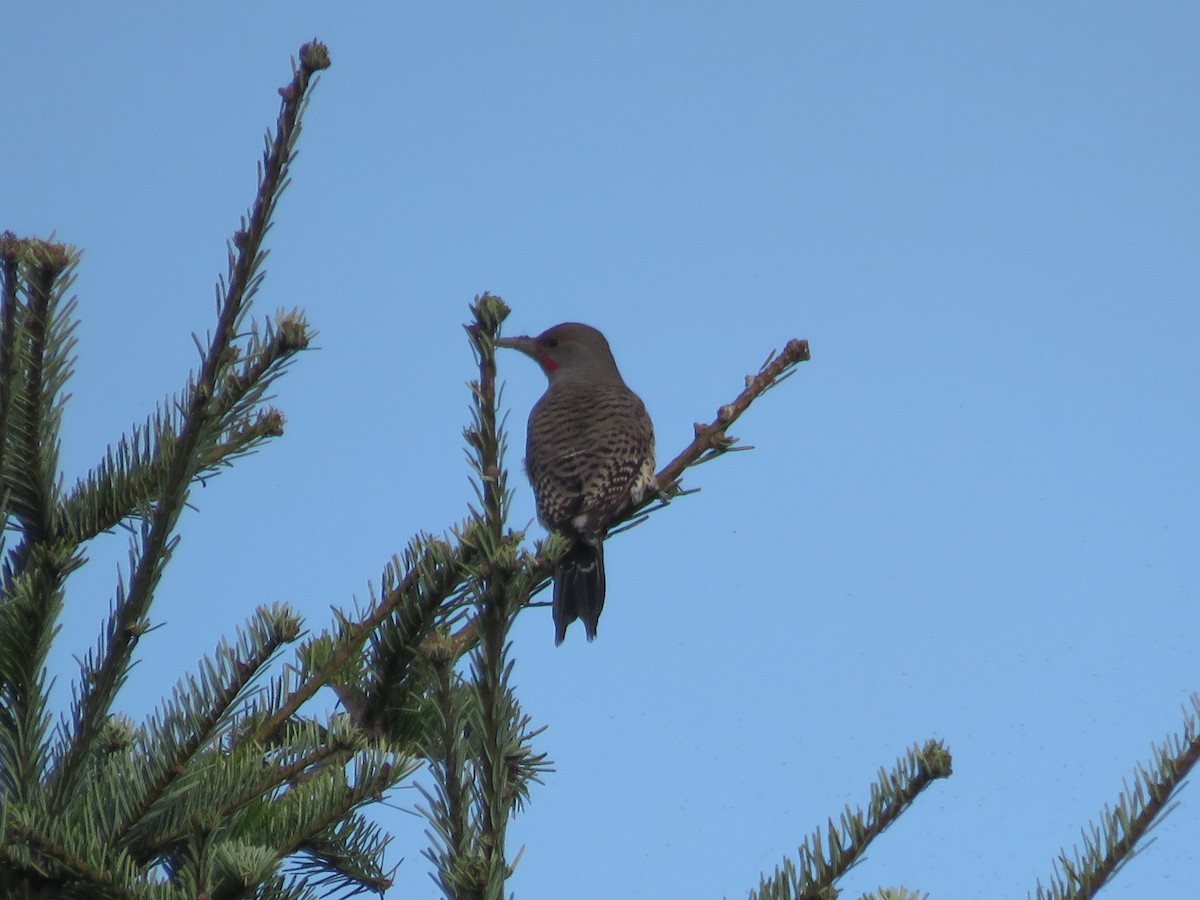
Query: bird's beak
{"x": 524, "y": 343}
{"x": 530, "y": 347}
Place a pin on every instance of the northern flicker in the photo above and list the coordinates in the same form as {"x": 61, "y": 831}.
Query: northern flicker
{"x": 589, "y": 454}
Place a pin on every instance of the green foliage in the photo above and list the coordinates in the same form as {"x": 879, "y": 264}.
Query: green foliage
{"x": 230, "y": 788}
{"x": 828, "y": 854}
{"x": 479, "y": 746}
{"x": 1124, "y": 826}
{"x": 220, "y": 792}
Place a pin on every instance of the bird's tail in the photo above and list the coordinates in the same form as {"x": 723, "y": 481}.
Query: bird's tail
{"x": 579, "y": 586}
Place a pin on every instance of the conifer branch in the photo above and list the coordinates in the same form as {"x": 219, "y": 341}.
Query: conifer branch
{"x": 198, "y": 709}
{"x": 10, "y": 256}
{"x": 490, "y": 681}
{"x": 239, "y": 785}
{"x": 432, "y": 575}
{"x": 819, "y": 866}
{"x": 34, "y": 362}
{"x": 1107, "y": 847}
{"x": 222, "y": 853}
{"x": 465, "y": 807}
{"x": 393, "y": 677}
{"x": 447, "y": 803}
{"x": 895, "y": 893}
{"x": 191, "y": 794}
{"x": 711, "y": 440}
{"x": 32, "y": 602}
{"x": 41, "y": 852}
{"x": 309, "y": 800}
{"x": 127, "y": 482}
{"x": 43, "y": 364}
{"x": 478, "y": 746}
{"x": 347, "y": 855}
{"x": 313, "y": 816}
{"x": 198, "y": 431}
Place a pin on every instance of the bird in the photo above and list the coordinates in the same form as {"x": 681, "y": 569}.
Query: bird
{"x": 589, "y": 455}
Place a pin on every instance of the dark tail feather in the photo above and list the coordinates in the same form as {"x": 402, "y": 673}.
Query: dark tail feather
{"x": 579, "y": 587}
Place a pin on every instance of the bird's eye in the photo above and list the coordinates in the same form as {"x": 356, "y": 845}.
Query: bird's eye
{"x": 551, "y": 342}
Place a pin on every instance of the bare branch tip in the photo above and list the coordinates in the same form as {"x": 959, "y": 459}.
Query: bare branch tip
{"x": 797, "y": 350}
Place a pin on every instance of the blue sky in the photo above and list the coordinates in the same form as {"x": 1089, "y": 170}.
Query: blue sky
{"x": 972, "y": 516}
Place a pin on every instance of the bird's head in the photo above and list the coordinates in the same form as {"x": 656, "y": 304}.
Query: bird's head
{"x": 570, "y": 351}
